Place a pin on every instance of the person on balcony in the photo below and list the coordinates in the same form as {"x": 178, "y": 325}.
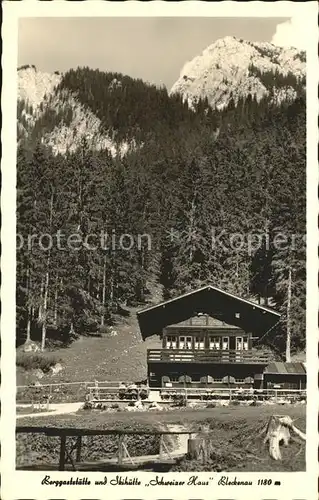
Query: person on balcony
{"x": 132, "y": 391}
{"x": 144, "y": 392}
{"x": 122, "y": 390}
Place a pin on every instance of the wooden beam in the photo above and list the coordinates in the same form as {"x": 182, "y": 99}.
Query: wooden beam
{"x": 74, "y": 431}
{"x": 127, "y": 453}
{"x": 69, "y": 456}
{"x": 62, "y": 452}
{"x": 120, "y": 449}
{"x": 161, "y": 446}
{"x": 165, "y": 449}
{"x": 78, "y": 448}
{"x": 194, "y": 448}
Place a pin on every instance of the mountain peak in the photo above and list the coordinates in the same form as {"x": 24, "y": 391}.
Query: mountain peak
{"x": 34, "y": 85}
{"x": 233, "y": 68}
{"x": 41, "y": 103}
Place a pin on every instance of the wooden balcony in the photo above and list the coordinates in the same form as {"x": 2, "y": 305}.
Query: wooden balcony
{"x": 206, "y": 356}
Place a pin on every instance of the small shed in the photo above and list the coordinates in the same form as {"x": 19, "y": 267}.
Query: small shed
{"x": 285, "y": 375}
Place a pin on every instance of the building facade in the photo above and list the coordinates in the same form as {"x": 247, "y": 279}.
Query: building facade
{"x": 208, "y": 339}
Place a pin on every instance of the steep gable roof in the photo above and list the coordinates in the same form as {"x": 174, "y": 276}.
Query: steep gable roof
{"x": 208, "y": 300}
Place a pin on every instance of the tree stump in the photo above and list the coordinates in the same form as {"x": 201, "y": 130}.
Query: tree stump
{"x": 206, "y": 447}
{"x": 200, "y": 447}
{"x": 194, "y": 448}
{"x": 278, "y": 431}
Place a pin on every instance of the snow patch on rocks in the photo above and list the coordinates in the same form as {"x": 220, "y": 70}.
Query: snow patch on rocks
{"x": 39, "y": 91}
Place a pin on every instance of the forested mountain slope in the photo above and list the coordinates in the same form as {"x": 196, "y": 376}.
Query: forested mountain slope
{"x": 194, "y": 193}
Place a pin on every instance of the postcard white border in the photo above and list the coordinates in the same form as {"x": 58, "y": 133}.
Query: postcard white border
{"x": 18, "y": 484}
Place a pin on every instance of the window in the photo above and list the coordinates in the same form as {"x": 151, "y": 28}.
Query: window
{"x": 214, "y": 343}
{"x": 199, "y": 342}
{"x": 185, "y": 342}
{"x": 171, "y": 342}
{"x": 239, "y": 343}
{"x": 225, "y": 343}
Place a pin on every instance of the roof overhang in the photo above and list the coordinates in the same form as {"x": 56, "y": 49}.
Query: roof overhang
{"x": 210, "y": 300}
{"x": 282, "y": 368}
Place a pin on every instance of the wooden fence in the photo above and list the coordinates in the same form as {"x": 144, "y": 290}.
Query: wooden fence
{"x": 58, "y": 392}
{"x": 110, "y": 392}
{"x": 73, "y": 454}
{"x": 167, "y": 395}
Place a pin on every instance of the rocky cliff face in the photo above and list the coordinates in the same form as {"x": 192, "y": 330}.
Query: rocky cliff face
{"x": 40, "y": 104}
{"x": 228, "y": 70}
{"x": 232, "y": 68}
{"x": 34, "y": 86}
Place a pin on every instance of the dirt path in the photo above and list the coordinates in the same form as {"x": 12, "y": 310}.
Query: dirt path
{"x": 55, "y": 409}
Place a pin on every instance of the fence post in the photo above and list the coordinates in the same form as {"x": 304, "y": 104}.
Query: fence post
{"x": 97, "y": 392}
{"x": 276, "y": 396}
{"x": 161, "y": 446}
{"x": 78, "y": 448}
{"x": 120, "y": 450}
{"x": 62, "y": 452}
{"x": 194, "y": 448}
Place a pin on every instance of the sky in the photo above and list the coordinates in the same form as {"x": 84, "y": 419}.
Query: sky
{"x": 154, "y": 49}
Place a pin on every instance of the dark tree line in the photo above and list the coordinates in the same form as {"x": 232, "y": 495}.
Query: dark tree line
{"x": 201, "y": 189}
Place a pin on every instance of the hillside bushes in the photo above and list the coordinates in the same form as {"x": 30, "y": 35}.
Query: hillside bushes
{"x": 33, "y": 361}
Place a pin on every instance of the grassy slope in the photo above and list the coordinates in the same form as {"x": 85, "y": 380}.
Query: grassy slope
{"x": 234, "y": 435}
{"x": 27, "y": 410}
{"x": 102, "y": 358}
{"x": 190, "y": 417}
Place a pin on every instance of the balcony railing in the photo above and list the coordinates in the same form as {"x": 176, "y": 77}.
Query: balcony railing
{"x": 206, "y": 356}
